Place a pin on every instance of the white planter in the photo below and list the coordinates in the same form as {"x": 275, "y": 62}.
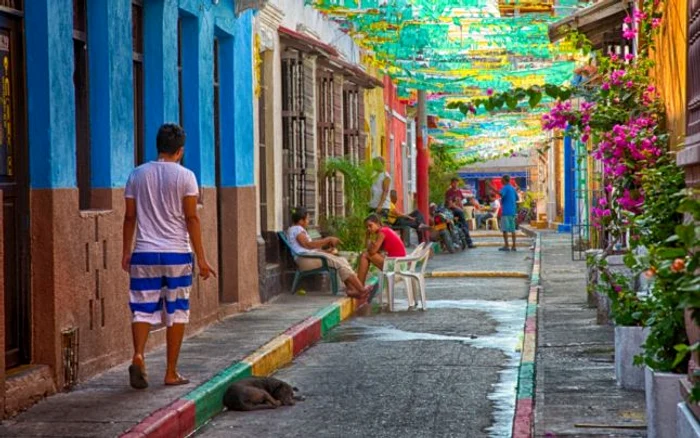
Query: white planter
{"x": 686, "y": 424}
{"x": 662, "y": 395}
{"x": 628, "y": 344}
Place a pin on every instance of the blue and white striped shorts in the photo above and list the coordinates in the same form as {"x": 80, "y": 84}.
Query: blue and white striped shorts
{"x": 160, "y": 282}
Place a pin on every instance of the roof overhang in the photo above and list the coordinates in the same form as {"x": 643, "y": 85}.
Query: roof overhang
{"x": 329, "y": 57}
{"x": 596, "y": 22}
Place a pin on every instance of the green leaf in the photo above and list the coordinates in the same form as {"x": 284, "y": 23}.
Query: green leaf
{"x": 534, "y": 99}
{"x": 551, "y": 90}
{"x": 686, "y": 234}
{"x": 565, "y": 93}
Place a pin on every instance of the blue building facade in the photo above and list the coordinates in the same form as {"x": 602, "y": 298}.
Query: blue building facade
{"x": 92, "y": 81}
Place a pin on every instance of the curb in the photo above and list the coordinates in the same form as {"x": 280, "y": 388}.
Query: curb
{"x": 476, "y": 274}
{"x": 523, "y": 420}
{"x": 186, "y": 414}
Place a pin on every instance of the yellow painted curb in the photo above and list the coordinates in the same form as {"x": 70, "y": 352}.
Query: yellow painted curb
{"x": 476, "y": 274}
{"x": 499, "y": 244}
{"x": 528, "y": 352}
{"x": 271, "y": 356}
{"x": 347, "y": 308}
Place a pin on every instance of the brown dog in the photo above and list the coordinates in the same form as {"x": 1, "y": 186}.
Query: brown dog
{"x": 255, "y": 393}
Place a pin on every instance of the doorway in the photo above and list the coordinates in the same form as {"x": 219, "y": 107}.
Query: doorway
{"x": 14, "y": 185}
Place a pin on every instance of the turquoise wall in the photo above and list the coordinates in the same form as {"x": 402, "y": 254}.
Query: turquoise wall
{"x": 51, "y": 99}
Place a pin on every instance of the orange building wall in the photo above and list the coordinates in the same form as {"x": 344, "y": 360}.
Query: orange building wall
{"x": 396, "y": 127}
{"x": 670, "y": 69}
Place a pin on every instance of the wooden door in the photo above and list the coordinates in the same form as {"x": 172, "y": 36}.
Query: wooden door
{"x": 14, "y": 185}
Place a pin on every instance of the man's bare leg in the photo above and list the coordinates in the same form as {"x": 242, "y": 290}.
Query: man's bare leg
{"x": 139, "y": 332}
{"x": 505, "y": 239}
{"x": 174, "y": 335}
{"x": 359, "y": 290}
{"x": 512, "y": 235}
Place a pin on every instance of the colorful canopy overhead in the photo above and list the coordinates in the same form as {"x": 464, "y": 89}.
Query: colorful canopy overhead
{"x": 462, "y": 49}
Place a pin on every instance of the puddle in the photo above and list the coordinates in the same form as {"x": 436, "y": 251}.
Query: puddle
{"x": 510, "y": 318}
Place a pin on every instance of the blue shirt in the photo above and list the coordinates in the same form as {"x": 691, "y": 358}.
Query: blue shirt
{"x": 509, "y": 198}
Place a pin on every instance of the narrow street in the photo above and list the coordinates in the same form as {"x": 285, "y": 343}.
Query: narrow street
{"x": 448, "y": 372}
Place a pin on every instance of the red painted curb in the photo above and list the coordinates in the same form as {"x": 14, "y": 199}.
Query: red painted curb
{"x": 522, "y": 424}
{"x": 531, "y": 325}
{"x": 304, "y": 334}
{"x": 175, "y": 420}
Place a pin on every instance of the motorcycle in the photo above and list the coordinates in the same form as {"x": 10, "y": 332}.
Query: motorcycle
{"x": 445, "y": 230}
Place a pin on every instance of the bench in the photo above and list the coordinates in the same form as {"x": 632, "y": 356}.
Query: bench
{"x": 299, "y": 274}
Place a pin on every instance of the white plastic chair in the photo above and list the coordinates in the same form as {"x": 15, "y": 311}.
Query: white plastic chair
{"x": 404, "y": 269}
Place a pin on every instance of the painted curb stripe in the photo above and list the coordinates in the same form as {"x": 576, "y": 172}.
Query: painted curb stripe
{"x": 175, "y": 420}
{"x": 208, "y": 397}
{"x": 329, "y": 317}
{"x": 304, "y": 334}
{"x": 476, "y": 274}
{"x": 271, "y": 356}
{"x": 523, "y": 422}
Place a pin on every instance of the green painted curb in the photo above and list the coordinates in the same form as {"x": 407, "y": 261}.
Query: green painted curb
{"x": 330, "y": 317}
{"x": 531, "y": 310}
{"x": 208, "y": 397}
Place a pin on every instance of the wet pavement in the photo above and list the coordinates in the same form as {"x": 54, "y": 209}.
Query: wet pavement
{"x": 447, "y": 372}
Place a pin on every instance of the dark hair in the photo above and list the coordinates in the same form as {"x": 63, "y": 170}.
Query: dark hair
{"x": 506, "y": 178}
{"x": 170, "y": 139}
{"x": 298, "y": 214}
{"x": 455, "y": 179}
{"x": 373, "y": 218}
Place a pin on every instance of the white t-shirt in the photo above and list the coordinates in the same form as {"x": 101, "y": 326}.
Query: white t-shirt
{"x": 378, "y": 190}
{"x": 495, "y": 206}
{"x": 159, "y": 188}
{"x": 292, "y": 234}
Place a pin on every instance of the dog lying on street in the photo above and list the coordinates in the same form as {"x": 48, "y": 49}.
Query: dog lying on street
{"x": 255, "y": 393}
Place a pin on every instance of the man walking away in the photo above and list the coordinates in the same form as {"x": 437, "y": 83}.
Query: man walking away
{"x": 161, "y": 209}
{"x": 509, "y": 198}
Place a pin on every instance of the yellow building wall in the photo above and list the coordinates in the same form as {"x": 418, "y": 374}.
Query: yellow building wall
{"x": 374, "y": 109}
{"x": 670, "y": 69}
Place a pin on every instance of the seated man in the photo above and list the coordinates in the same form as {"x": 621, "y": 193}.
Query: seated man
{"x": 482, "y": 216}
{"x": 413, "y": 220}
{"x": 453, "y": 201}
{"x": 301, "y": 243}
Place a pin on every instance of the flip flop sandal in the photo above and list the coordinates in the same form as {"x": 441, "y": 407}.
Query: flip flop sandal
{"x": 505, "y": 248}
{"x": 137, "y": 377}
{"x": 180, "y": 381}
{"x": 373, "y": 292}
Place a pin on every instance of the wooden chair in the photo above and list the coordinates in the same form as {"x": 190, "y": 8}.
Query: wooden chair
{"x": 299, "y": 275}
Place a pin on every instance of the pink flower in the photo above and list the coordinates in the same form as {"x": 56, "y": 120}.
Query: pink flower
{"x": 651, "y": 89}
{"x": 629, "y": 84}
{"x": 629, "y": 56}
{"x": 489, "y": 92}
{"x": 628, "y": 20}
{"x": 628, "y": 32}
{"x": 655, "y": 22}
{"x": 605, "y": 86}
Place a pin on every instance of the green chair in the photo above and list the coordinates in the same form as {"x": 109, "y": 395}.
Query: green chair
{"x": 302, "y": 274}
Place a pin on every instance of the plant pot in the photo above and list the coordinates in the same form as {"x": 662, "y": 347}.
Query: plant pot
{"x": 687, "y": 425}
{"x": 628, "y": 344}
{"x": 693, "y": 332}
{"x": 662, "y": 397}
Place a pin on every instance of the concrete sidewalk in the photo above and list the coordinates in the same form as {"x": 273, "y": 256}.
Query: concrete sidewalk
{"x": 576, "y": 390}
{"x": 106, "y": 406}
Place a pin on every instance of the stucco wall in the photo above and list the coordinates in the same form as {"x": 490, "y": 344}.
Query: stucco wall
{"x": 77, "y": 281}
